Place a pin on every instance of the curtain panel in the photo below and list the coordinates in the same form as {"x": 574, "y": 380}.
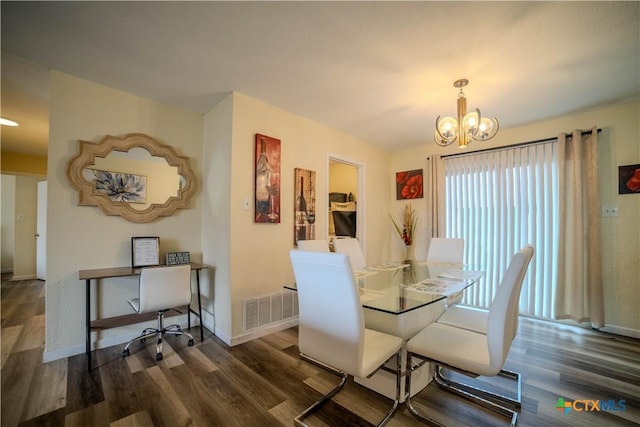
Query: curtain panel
{"x": 579, "y": 294}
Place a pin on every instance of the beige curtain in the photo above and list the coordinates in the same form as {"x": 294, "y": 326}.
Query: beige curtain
{"x": 435, "y": 197}
{"x": 579, "y": 295}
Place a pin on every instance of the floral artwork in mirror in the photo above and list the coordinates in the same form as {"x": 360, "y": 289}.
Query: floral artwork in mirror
{"x": 118, "y": 187}
{"x": 134, "y": 176}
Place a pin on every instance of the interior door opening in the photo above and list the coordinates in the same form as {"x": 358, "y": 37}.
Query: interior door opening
{"x": 345, "y": 199}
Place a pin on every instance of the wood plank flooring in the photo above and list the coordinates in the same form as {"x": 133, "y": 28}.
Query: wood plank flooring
{"x": 264, "y": 383}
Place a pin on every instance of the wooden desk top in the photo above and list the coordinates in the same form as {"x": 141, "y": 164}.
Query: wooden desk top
{"x": 104, "y": 273}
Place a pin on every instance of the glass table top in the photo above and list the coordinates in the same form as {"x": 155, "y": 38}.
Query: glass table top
{"x": 398, "y": 288}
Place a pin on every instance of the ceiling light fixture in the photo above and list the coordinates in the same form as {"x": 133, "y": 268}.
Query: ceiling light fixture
{"x": 468, "y": 126}
{"x": 7, "y": 122}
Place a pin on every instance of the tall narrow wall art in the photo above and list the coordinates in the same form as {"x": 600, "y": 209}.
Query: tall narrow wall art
{"x": 267, "y": 179}
{"x": 305, "y": 203}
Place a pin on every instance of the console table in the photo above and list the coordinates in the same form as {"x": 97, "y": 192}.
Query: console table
{"x": 127, "y": 319}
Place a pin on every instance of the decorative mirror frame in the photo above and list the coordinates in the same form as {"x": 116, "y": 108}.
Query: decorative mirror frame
{"x": 88, "y": 151}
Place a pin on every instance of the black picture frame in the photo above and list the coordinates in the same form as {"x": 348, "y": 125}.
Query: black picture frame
{"x": 629, "y": 179}
{"x": 145, "y": 251}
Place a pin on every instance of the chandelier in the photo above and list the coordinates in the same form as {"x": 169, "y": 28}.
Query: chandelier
{"x": 468, "y": 126}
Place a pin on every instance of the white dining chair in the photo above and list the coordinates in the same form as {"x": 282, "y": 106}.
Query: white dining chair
{"x": 331, "y": 330}
{"x": 161, "y": 289}
{"x": 476, "y": 319}
{"x": 444, "y": 249}
{"x": 474, "y": 353}
{"x": 315, "y": 245}
{"x": 352, "y": 248}
{"x": 447, "y": 250}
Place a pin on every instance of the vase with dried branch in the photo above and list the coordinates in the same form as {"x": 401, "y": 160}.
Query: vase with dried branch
{"x": 407, "y": 232}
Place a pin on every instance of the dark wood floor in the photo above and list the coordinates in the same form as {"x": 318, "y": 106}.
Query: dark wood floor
{"x": 264, "y": 383}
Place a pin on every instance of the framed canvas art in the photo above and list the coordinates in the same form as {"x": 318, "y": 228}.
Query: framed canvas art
{"x": 629, "y": 179}
{"x": 409, "y": 185}
{"x": 305, "y": 201}
{"x": 267, "y": 179}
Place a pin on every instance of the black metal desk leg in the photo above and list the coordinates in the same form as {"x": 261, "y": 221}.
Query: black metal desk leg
{"x": 88, "y": 323}
{"x": 199, "y": 306}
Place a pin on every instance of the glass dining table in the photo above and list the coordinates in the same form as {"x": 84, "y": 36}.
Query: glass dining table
{"x": 403, "y": 298}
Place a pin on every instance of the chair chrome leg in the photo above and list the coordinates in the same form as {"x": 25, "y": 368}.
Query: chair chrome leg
{"x": 500, "y": 398}
{"x": 146, "y": 334}
{"x": 453, "y": 387}
{"x": 407, "y": 399}
{"x": 396, "y": 403}
{"x": 297, "y": 421}
{"x": 159, "y": 333}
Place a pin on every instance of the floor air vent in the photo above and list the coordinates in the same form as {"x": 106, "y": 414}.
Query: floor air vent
{"x": 265, "y": 310}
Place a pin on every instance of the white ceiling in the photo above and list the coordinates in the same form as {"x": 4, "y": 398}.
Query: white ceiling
{"x": 380, "y": 71}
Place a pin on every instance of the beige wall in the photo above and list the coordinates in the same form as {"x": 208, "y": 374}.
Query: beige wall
{"x": 24, "y": 260}
{"x": 618, "y": 144}
{"x": 19, "y": 214}
{"x": 23, "y": 164}
{"x": 344, "y": 179}
{"x": 7, "y": 220}
{"x": 90, "y": 239}
{"x": 305, "y": 144}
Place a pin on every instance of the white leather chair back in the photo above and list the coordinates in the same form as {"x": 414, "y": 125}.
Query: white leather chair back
{"x": 331, "y": 321}
{"x": 351, "y": 247}
{"x": 503, "y": 314}
{"x": 164, "y": 287}
{"x": 317, "y": 245}
{"x": 442, "y": 249}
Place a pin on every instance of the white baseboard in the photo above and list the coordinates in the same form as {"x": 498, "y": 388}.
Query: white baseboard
{"x": 49, "y": 356}
{"x": 25, "y": 277}
{"x": 621, "y": 330}
{"x": 261, "y": 332}
{"x": 208, "y": 322}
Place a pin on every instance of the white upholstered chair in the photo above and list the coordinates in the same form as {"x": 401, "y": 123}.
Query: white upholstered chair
{"x": 161, "y": 289}
{"x": 475, "y": 353}
{"x": 351, "y": 247}
{"x": 444, "y": 249}
{"x": 449, "y": 250}
{"x": 331, "y": 332}
{"x": 317, "y": 245}
{"x": 475, "y": 319}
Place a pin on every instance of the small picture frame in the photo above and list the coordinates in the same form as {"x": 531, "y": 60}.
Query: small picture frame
{"x": 177, "y": 258}
{"x": 145, "y": 251}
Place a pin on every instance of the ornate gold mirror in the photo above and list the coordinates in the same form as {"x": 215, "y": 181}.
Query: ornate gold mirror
{"x": 134, "y": 176}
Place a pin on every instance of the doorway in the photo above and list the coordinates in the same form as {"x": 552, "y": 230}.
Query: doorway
{"x": 345, "y": 198}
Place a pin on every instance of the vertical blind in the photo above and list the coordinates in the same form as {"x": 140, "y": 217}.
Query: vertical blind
{"x": 498, "y": 201}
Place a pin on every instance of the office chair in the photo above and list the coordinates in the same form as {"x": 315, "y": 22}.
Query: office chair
{"x": 352, "y": 248}
{"x": 448, "y": 250}
{"x": 317, "y": 245}
{"x": 331, "y": 327}
{"x": 474, "y": 353}
{"x": 160, "y": 289}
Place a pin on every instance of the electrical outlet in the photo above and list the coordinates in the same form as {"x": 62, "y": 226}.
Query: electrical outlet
{"x": 609, "y": 211}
